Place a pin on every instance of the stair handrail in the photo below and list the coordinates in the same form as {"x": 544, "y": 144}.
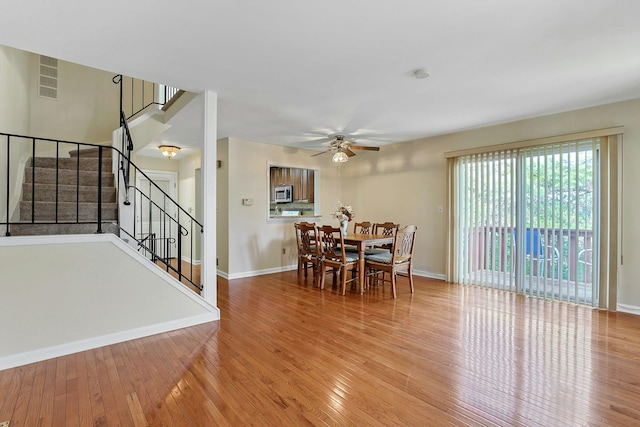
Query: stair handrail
{"x": 127, "y": 149}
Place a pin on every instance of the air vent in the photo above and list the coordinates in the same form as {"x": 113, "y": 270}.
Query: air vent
{"x": 48, "y": 81}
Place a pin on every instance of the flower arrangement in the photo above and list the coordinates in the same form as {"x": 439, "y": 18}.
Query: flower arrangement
{"x": 344, "y": 213}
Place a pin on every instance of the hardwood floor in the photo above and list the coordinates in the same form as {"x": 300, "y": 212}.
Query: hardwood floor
{"x": 190, "y": 273}
{"x": 289, "y": 354}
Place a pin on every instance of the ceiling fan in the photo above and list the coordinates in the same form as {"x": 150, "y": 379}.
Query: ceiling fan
{"x": 343, "y": 149}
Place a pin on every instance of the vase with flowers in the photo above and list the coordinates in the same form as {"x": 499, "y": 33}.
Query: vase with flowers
{"x": 344, "y": 214}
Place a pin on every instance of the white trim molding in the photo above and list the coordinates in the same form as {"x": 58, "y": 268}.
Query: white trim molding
{"x": 429, "y": 275}
{"x": 40, "y": 354}
{"x": 631, "y": 309}
{"x": 282, "y": 269}
{"x": 261, "y": 272}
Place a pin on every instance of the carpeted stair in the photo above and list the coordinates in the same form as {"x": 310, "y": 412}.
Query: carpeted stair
{"x": 39, "y": 185}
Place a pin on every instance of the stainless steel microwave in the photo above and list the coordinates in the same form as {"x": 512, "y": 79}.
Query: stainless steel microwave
{"x": 284, "y": 194}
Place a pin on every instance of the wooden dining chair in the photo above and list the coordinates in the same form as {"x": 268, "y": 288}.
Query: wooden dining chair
{"x": 364, "y": 227}
{"x": 333, "y": 255}
{"x": 397, "y": 262}
{"x": 307, "y": 238}
{"x": 387, "y": 229}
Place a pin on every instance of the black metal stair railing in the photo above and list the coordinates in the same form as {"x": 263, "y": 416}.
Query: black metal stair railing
{"x": 125, "y": 160}
{"x": 77, "y": 181}
{"x": 167, "y": 224}
{"x": 141, "y": 95}
{"x": 71, "y": 183}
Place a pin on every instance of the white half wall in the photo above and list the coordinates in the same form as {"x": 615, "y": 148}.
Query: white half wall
{"x": 63, "y": 294}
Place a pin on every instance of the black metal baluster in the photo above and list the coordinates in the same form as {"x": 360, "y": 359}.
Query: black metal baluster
{"x": 57, "y": 176}
{"x": 150, "y": 227}
{"x": 8, "y": 231}
{"x": 191, "y": 249}
{"x": 99, "y": 190}
{"x": 33, "y": 180}
{"x": 135, "y": 210}
{"x": 179, "y": 253}
{"x": 78, "y": 183}
{"x": 167, "y": 252}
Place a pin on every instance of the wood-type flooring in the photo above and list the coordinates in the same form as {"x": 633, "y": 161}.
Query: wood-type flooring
{"x": 286, "y": 353}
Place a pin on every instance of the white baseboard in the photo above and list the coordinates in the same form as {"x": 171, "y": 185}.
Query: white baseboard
{"x": 631, "y": 309}
{"x": 429, "y": 275}
{"x": 191, "y": 261}
{"x": 258, "y": 272}
{"x": 38, "y": 355}
{"x": 294, "y": 266}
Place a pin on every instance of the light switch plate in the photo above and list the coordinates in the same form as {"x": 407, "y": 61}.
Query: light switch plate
{"x": 247, "y": 202}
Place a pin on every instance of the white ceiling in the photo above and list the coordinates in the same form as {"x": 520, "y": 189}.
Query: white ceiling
{"x": 293, "y": 71}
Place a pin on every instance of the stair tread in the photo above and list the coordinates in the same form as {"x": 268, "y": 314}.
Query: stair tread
{"x": 108, "y": 204}
{"x": 87, "y": 152}
{"x": 43, "y": 185}
{"x": 26, "y": 228}
{"x": 66, "y": 171}
{"x": 75, "y": 187}
{"x": 53, "y": 185}
{"x": 66, "y": 163}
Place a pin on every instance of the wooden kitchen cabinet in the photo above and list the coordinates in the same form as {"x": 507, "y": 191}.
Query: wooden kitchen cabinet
{"x": 302, "y": 181}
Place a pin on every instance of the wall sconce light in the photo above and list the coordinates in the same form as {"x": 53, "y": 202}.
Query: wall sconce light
{"x": 169, "y": 150}
{"x": 340, "y": 157}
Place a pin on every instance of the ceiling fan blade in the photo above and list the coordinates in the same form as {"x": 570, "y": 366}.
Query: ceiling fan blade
{"x": 316, "y": 141}
{"x": 364, "y": 147}
{"x": 322, "y": 152}
{"x": 348, "y": 152}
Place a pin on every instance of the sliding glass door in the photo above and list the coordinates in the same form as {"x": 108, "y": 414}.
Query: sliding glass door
{"x": 527, "y": 220}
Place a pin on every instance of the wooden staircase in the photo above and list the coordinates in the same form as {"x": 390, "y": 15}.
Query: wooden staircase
{"x": 76, "y": 181}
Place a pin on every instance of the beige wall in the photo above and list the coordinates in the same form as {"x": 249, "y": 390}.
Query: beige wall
{"x": 187, "y": 199}
{"x": 405, "y": 184}
{"x": 15, "y": 91}
{"x": 156, "y": 163}
{"x": 255, "y": 244}
{"x": 222, "y": 203}
{"x": 86, "y": 109}
{"x": 14, "y": 118}
{"x": 411, "y": 177}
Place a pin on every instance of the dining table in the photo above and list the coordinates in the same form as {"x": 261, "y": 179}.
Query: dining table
{"x": 361, "y": 242}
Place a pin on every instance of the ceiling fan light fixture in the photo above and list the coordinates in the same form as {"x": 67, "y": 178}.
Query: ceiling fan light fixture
{"x": 169, "y": 150}
{"x": 340, "y": 157}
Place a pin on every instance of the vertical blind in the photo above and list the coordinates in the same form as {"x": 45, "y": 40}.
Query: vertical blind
{"x": 527, "y": 218}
